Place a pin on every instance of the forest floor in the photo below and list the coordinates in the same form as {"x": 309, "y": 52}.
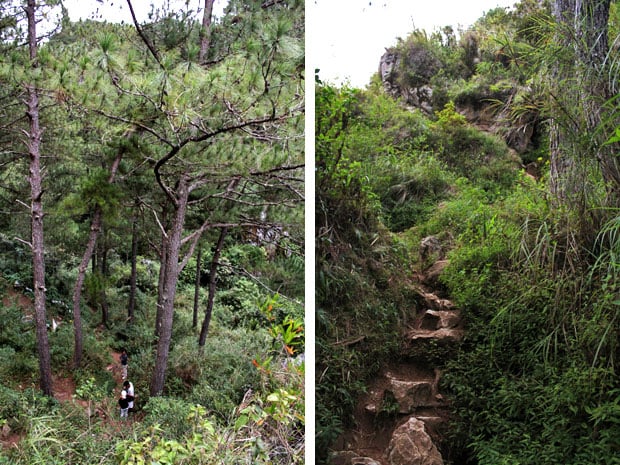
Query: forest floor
{"x": 63, "y": 383}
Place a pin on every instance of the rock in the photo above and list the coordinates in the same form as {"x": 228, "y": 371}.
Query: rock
{"x": 344, "y": 457}
{"x": 407, "y": 73}
{"x": 431, "y": 275}
{"x": 411, "y": 445}
{"x": 364, "y": 461}
{"x": 443, "y": 318}
{"x": 429, "y": 246}
{"x": 412, "y": 394}
{"x": 6, "y": 431}
{"x": 388, "y": 63}
{"x": 442, "y": 334}
{"x": 434, "y": 302}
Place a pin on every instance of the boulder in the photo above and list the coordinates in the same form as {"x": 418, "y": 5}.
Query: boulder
{"x": 411, "y": 445}
{"x": 430, "y": 246}
{"x": 343, "y": 457}
{"x": 442, "y": 318}
{"x": 431, "y": 275}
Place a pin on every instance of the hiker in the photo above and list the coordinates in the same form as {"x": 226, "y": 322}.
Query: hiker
{"x": 124, "y": 360}
{"x": 123, "y": 404}
{"x": 131, "y": 396}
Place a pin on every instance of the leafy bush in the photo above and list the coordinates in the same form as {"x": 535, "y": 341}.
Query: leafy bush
{"x": 10, "y": 406}
{"x": 242, "y": 300}
{"x": 226, "y": 368}
{"x": 412, "y": 193}
{"x": 169, "y": 413}
{"x": 472, "y": 153}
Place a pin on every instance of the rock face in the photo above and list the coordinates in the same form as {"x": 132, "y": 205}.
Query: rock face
{"x": 411, "y": 445}
{"x": 416, "y": 90}
{"x": 407, "y": 72}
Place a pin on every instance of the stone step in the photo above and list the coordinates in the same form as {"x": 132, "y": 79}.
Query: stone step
{"x": 438, "y": 319}
{"x": 404, "y": 395}
{"x": 434, "y": 302}
{"x": 364, "y": 461}
{"x": 443, "y": 334}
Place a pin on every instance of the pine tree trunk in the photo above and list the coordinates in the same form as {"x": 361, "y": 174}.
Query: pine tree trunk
{"x": 36, "y": 181}
{"x": 131, "y": 306}
{"x": 197, "y": 288}
{"x": 205, "y": 31}
{"x": 169, "y": 289}
{"x": 95, "y": 228}
{"x": 104, "y": 272}
{"x": 160, "y": 284}
{"x": 212, "y": 282}
{"x": 163, "y": 254}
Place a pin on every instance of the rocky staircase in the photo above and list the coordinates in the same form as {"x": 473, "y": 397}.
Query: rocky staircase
{"x": 402, "y": 416}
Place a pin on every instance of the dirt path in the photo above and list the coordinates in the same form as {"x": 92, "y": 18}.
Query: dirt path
{"x": 404, "y": 388}
{"x": 64, "y": 386}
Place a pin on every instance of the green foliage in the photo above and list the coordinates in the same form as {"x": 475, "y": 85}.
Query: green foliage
{"x": 165, "y": 412}
{"x": 528, "y": 378}
{"x": 242, "y": 301}
{"x": 11, "y": 406}
{"x": 226, "y": 369}
{"x": 472, "y": 153}
{"x": 106, "y": 96}
{"x": 535, "y": 378}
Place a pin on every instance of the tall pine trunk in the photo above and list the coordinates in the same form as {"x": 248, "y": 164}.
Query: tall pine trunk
{"x": 36, "y": 204}
{"x": 205, "y": 31}
{"x": 212, "y": 282}
{"x": 104, "y": 273}
{"x": 197, "y": 288}
{"x": 131, "y": 306}
{"x": 169, "y": 286}
{"x": 163, "y": 260}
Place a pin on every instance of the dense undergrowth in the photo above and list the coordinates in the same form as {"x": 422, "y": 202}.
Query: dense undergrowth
{"x": 535, "y": 379}
{"x": 239, "y": 400}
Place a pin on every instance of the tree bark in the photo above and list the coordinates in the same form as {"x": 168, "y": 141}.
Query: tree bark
{"x": 104, "y": 273}
{"x": 582, "y": 29}
{"x": 197, "y": 288}
{"x": 160, "y": 283}
{"x": 205, "y": 31}
{"x": 170, "y": 278}
{"x": 131, "y": 306}
{"x": 36, "y": 192}
{"x": 212, "y": 282}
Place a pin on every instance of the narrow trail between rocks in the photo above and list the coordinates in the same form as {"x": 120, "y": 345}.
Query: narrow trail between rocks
{"x": 403, "y": 417}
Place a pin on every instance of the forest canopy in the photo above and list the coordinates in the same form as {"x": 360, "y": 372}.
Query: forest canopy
{"x": 152, "y": 191}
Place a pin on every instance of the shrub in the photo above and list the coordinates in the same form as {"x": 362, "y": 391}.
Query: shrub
{"x": 10, "y": 406}
{"x": 168, "y": 413}
{"x": 412, "y": 191}
{"x": 227, "y": 369}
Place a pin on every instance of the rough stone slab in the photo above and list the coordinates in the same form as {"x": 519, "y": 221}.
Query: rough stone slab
{"x": 446, "y": 318}
{"x": 411, "y": 445}
{"x": 449, "y": 334}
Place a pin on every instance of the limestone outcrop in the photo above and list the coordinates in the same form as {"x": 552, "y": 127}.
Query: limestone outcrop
{"x": 408, "y": 73}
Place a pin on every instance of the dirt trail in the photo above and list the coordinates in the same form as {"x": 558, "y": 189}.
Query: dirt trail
{"x": 63, "y": 386}
{"x": 405, "y": 388}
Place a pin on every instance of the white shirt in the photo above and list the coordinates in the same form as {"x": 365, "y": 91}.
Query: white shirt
{"x": 130, "y": 392}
